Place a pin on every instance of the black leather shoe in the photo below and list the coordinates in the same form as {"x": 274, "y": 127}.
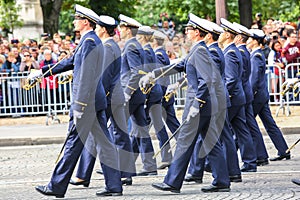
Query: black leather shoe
{"x": 191, "y": 178}
{"x": 46, "y": 191}
{"x": 99, "y": 171}
{"x": 235, "y": 178}
{"x": 165, "y": 187}
{"x": 262, "y": 162}
{"x": 207, "y": 168}
{"x": 108, "y": 193}
{"x": 84, "y": 183}
{"x": 147, "y": 173}
{"x": 213, "y": 188}
{"x": 164, "y": 165}
{"x": 127, "y": 181}
{"x": 248, "y": 169}
{"x": 296, "y": 181}
{"x": 286, "y": 156}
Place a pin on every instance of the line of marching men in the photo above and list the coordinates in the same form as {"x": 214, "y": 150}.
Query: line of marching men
{"x": 226, "y": 90}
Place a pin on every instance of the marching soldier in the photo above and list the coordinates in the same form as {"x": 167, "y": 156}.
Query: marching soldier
{"x": 153, "y": 98}
{"x": 133, "y": 58}
{"x": 259, "y": 145}
{"x": 195, "y": 171}
{"x": 261, "y": 95}
{"x": 115, "y": 108}
{"x": 198, "y": 116}
{"x": 87, "y": 62}
{"x": 236, "y": 113}
{"x": 162, "y": 60}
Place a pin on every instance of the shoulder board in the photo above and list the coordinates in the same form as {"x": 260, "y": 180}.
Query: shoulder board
{"x": 213, "y": 49}
{"x": 107, "y": 44}
{"x": 242, "y": 50}
{"x": 90, "y": 39}
{"x": 231, "y": 51}
{"x": 147, "y": 49}
{"x": 158, "y": 53}
{"x": 132, "y": 44}
{"x": 201, "y": 47}
{"x": 258, "y": 54}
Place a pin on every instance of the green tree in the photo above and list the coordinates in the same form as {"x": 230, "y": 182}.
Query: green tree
{"x": 148, "y": 11}
{"x": 9, "y": 17}
{"x": 285, "y": 10}
{"x": 101, "y": 7}
{"x": 66, "y": 15}
{"x": 113, "y": 7}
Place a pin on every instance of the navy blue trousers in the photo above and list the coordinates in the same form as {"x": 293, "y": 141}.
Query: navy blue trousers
{"x": 264, "y": 113}
{"x": 75, "y": 143}
{"x": 237, "y": 118}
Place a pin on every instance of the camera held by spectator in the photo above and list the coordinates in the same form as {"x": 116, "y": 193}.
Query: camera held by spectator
{"x": 45, "y": 35}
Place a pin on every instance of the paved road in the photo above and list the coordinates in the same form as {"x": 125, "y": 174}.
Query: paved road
{"x": 23, "y": 167}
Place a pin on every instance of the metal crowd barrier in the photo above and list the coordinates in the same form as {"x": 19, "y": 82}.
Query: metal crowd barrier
{"x": 16, "y": 101}
{"x": 290, "y": 72}
{"x": 180, "y": 93}
{"x": 274, "y": 83}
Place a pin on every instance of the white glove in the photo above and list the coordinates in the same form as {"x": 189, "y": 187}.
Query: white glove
{"x": 192, "y": 113}
{"x": 289, "y": 83}
{"x": 65, "y": 77}
{"x": 66, "y": 74}
{"x": 172, "y": 88}
{"x": 146, "y": 79}
{"x": 76, "y": 115}
{"x": 127, "y": 97}
{"x": 35, "y": 74}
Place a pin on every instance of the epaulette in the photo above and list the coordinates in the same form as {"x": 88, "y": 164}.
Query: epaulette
{"x": 107, "y": 44}
{"x": 242, "y": 50}
{"x": 158, "y": 53}
{"x": 147, "y": 49}
{"x": 131, "y": 44}
{"x": 212, "y": 49}
{"x": 259, "y": 54}
{"x": 201, "y": 47}
{"x": 231, "y": 51}
{"x": 90, "y": 39}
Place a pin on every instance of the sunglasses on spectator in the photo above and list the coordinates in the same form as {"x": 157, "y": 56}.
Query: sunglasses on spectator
{"x": 27, "y": 55}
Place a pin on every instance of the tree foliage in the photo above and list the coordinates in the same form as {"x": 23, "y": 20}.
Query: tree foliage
{"x": 101, "y": 7}
{"x": 113, "y": 7}
{"x": 285, "y": 10}
{"x": 9, "y": 17}
{"x": 66, "y": 15}
{"x": 147, "y": 12}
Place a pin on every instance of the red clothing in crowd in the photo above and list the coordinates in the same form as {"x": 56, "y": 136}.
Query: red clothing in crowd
{"x": 48, "y": 81}
{"x": 292, "y": 52}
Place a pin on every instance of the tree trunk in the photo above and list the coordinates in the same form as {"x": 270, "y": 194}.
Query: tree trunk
{"x": 51, "y": 10}
{"x": 245, "y": 10}
{"x": 220, "y": 10}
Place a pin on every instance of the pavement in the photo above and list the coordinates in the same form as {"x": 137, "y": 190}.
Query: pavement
{"x": 28, "y": 153}
{"x": 33, "y": 131}
{"x": 24, "y": 167}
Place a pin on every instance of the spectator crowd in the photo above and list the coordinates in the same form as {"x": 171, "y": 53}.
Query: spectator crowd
{"x": 281, "y": 48}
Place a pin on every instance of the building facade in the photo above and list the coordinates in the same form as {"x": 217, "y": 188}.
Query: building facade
{"x": 32, "y": 16}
